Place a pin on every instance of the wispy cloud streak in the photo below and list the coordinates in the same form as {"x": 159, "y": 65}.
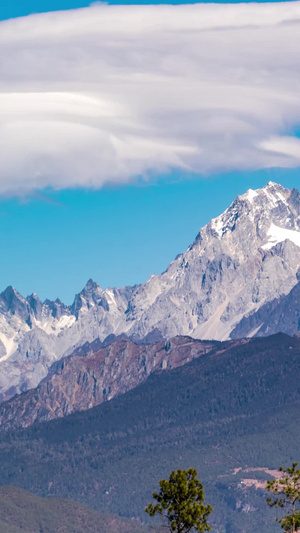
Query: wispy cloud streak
{"x": 107, "y": 93}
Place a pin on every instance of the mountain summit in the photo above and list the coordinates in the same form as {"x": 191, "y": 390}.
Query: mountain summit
{"x": 240, "y": 260}
{"x": 241, "y": 266}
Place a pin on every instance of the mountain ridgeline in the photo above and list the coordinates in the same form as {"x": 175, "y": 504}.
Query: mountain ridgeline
{"x": 235, "y": 280}
{"x": 81, "y": 381}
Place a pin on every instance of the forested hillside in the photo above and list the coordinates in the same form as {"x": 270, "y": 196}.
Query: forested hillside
{"x": 22, "y": 512}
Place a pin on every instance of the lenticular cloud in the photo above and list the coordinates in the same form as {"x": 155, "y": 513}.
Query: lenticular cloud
{"x": 108, "y": 93}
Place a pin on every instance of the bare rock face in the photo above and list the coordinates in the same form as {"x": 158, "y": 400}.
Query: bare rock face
{"x": 79, "y": 382}
{"x": 34, "y": 335}
{"x": 281, "y": 314}
{"x": 239, "y": 263}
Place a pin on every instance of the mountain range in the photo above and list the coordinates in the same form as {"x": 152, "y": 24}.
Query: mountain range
{"x": 238, "y": 278}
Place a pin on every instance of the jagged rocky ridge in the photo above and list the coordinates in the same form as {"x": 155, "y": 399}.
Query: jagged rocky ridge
{"x": 84, "y": 380}
{"x": 238, "y": 264}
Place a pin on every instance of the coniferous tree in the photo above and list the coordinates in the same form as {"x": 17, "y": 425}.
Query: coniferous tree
{"x": 180, "y": 502}
{"x": 287, "y": 496}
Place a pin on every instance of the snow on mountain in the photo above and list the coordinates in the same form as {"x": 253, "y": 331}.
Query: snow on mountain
{"x": 240, "y": 261}
{"x": 276, "y": 234}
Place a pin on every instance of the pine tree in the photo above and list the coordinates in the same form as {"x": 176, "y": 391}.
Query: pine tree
{"x": 287, "y": 496}
{"x": 180, "y": 502}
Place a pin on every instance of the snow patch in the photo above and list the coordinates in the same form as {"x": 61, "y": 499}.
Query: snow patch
{"x": 65, "y": 321}
{"x": 218, "y": 225}
{"x": 276, "y": 234}
{"x": 109, "y": 293}
{"x": 282, "y": 198}
{"x": 250, "y": 195}
{"x": 9, "y": 344}
{"x": 55, "y": 326}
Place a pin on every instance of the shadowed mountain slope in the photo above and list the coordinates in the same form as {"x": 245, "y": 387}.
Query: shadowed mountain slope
{"x": 283, "y": 315}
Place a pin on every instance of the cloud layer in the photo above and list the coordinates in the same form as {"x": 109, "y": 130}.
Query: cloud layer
{"x": 108, "y": 93}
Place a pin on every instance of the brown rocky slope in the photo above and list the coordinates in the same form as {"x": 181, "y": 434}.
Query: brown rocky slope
{"x": 80, "y": 382}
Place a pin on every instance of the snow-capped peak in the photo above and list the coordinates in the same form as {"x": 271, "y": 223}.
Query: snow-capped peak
{"x": 270, "y": 204}
{"x": 276, "y": 193}
{"x": 273, "y": 185}
{"x": 272, "y": 193}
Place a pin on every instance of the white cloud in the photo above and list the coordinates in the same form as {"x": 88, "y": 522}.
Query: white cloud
{"x": 107, "y": 93}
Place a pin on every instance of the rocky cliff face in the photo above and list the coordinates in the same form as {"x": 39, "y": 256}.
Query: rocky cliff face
{"x": 238, "y": 264}
{"x": 34, "y": 334}
{"x": 281, "y": 314}
{"x": 79, "y": 382}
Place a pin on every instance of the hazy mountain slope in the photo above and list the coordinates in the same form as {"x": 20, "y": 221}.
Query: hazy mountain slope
{"x": 282, "y": 314}
{"x": 238, "y": 408}
{"x": 22, "y": 512}
{"x": 79, "y": 382}
{"x": 238, "y": 263}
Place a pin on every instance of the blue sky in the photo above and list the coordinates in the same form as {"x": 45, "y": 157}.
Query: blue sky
{"x": 119, "y": 232}
{"x": 21, "y": 8}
